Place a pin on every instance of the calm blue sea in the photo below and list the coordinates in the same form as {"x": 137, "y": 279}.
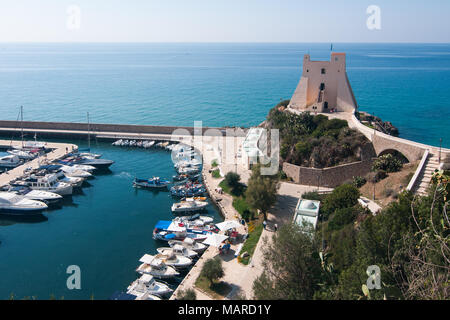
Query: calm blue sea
{"x": 220, "y": 84}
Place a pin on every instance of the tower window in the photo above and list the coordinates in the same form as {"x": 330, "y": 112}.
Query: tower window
{"x": 323, "y": 71}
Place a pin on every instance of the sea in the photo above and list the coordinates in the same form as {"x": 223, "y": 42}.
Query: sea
{"x": 107, "y": 226}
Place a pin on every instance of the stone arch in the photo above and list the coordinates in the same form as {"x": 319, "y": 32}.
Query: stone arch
{"x": 396, "y": 153}
{"x": 409, "y": 151}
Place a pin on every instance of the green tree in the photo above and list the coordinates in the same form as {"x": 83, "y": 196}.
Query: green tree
{"x": 343, "y": 196}
{"x": 232, "y": 179}
{"x": 188, "y": 294}
{"x": 261, "y": 193}
{"x": 212, "y": 270}
{"x": 292, "y": 266}
{"x": 387, "y": 163}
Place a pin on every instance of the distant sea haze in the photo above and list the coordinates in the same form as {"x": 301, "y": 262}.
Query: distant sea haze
{"x": 220, "y": 84}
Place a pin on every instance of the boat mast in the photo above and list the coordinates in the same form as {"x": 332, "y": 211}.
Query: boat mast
{"x": 89, "y": 133}
{"x": 21, "y": 121}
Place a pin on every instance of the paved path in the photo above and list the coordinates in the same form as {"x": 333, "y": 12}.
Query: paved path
{"x": 59, "y": 151}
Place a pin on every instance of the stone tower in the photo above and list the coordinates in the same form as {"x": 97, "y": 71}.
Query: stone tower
{"x": 324, "y": 86}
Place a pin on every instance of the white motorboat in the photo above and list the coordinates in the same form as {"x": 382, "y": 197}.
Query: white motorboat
{"x": 189, "y": 206}
{"x": 48, "y": 183}
{"x": 84, "y": 167}
{"x": 175, "y": 261}
{"x": 38, "y": 195}
{"x": 74, "y": 172}
{"x": 190, "y": 244}
{"x": 14, "y": 204}
{"x": 89, "y": 155}
{"x": 75, "y": 182}
{"x": 147, "y": 285}
{"x": 178, "y": 250}
{"x": 10, "y": 161}
{"x": 118, "y": 142}
{"x": 156, "y": 267}
{"x": 196, "y": 217}
{"x": 23, "y": 154}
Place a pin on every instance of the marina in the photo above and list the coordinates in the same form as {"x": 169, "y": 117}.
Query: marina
{"x": 91, "y": 222}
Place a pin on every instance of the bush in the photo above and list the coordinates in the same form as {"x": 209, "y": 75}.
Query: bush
{"x": 216, "y": 173}
{"x": 232, "y": 179}
{"x": 358, "y": 181}
{"x": 212, "y": 269}
{"x": 214, "y": 163}
{"x": 344, "y": 196}
{"x": 312, "y": 195}
{"x": 188, "y": 294}
{"x": 388, "y": 163}
{"x": 342, "y": 217}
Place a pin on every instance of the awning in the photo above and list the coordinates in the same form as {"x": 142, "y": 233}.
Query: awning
{"x": 227, "y": 225}
{"x": 215, "y": 239}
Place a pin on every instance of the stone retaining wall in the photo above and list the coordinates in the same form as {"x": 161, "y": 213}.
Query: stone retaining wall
{"x": 328, "y": 177}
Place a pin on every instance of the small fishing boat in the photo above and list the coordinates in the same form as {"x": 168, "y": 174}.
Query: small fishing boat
{"x": 156, "y": 267}
{"x": 14, "y": 204}
{"x": 155, "y": 182}
{"x": 190, "y": 244}
{"x": 189, "y": 206}
{"x": 10, "y": 161}
{"x": 118, "y": 142}
{"x": 147, "y": 285}
{"x": 178, "y": 250}
{"x": 148, "y": 144}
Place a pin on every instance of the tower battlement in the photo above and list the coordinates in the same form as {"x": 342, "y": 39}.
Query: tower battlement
{"x": 324, "y": 86}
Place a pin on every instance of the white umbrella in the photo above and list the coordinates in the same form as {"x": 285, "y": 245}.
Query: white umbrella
{"x": 215, "y": 239}
{"x": 228, "y": 224}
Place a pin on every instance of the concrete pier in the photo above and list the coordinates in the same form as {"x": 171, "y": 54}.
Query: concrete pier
{"x": 59, "y": 150}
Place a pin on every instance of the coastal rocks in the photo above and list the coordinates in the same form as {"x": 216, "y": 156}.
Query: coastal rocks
{"x": 375, "y": 122}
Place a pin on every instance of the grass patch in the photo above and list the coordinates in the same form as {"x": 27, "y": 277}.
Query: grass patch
{"x": 217, "y": 290}
{"x": 255, "y": 229}
{"x": 214, "y": 163}
{"x": 240, "y": 205}
{"x": 216, "y": 174}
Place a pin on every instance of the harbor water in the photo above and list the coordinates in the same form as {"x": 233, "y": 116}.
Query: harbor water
{"x": 104, "y": 229}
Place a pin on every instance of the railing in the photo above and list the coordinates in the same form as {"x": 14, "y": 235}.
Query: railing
{"x": 419, "y": 169}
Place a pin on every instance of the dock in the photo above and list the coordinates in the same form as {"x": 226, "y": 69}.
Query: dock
{"x": 58, "y": 151}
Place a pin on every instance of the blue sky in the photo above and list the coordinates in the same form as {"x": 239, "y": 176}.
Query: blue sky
{"x": 224, "y": 21}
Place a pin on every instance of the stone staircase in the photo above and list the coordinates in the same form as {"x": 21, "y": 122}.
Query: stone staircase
{"x": 423, "y": 181}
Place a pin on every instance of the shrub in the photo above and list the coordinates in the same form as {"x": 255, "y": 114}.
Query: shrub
{"x": 214, "y": 163}
{"x": 216, "y": 173}
{"x": 188, "y": 294}
{"x": 212, "y": 269}
{"x": 359, "y": 181}
{"x": 388, "y": 163}
{"x": 312, "y": 195}
{"x": 344, "y": 196}
{"x": 232, "y": 179}
{"x": 342, "y": 217}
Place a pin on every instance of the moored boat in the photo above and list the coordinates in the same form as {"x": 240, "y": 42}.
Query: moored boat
{"x": 156, "y": 267}
{"x": 14, "y": 204}
{"x": 155, "y": 182}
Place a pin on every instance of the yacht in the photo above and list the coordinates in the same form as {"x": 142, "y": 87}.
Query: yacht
{"x": 195, "y": 217}
{"x": 10, "y": 161}
{"x": 38, "y": 195}
{"x": 156, "y": 267}
{"x": 76, "y": 182}
{"x": 97, "y": 163}
{"x": 178, "y": 250}
{"x": 189, "y": 206}
{"x": 147, "y": 284}
{"x": 74, "y": 172}
{"x": 48, "y": 182}
{"x": 14, "y": 204}
{"x": 23, "y": 154}
{"x": 190, "y": 244}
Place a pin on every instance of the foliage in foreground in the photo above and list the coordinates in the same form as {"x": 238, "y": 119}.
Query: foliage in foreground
{"x": 212, "y": 269}
{"x": 409, "y": 241}
{"x": 188, "y": 294}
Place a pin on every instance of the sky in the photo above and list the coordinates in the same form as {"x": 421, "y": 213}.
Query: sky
{"x": 223, "y": 21}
